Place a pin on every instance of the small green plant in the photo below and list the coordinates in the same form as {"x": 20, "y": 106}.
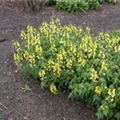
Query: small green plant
{"x": 25, "y": 88}
{"x": 1, "y": 118}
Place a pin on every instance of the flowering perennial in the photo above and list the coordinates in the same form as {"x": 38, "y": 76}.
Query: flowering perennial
{"x": 70, "y": 57}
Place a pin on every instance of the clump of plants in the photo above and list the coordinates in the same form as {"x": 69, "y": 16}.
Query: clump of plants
{"x": 78, "y": 5}
{"x": 52, "y": 2}
{"x": 68, "y": 57}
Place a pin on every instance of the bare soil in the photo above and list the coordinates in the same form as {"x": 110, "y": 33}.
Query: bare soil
{"x": 40, "y": 104}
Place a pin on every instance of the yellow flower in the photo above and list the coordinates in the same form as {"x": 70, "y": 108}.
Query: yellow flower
{"x": 26, "y": 55}
{"x": 63, "y": 52}
{"x": 107, "y": 36}
{"x": 69, "y": 63}
{"x": 98, "y": 90}
{"x": 31, "y": 59}
{"x": 102, "y": 55}
{"x": 42, "y": 74}
{"x": 73, "y": 49}
{"x": 111, "y": 92}
{"x": 93, "y": 75}
{"x": 16, "y": 57}
{"x": 81, "y": 60}
{"x": 23, "y": 34}
{"x": 50, "y": 62}
{"x": 88, "y": 29}
{"x": 114, "y": 41}
{"x": 63, "y": 42}
{"x": 104, "y": 65}
{"x": 38, "y": 49}
{"x": 53, "y": 48}
{"x": 53, "y": 89}
{"x": 57, "y": 69}
{"x": 59, "y": 57}
{"x": 17, "y": 45}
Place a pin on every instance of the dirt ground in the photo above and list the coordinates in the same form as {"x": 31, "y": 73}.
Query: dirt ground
{"x": 40, "y": 104}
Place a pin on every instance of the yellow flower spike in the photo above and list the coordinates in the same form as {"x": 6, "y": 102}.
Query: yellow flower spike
{"x": 107, "y": 36}
{"x": 57, "y": 21}
{"x": 56, "y": 69}
{"x": 88, "y": 30}
{"x": 101, "y": 35}
{"x": 16, "y": 57}
{"x": 31, "y": 59}
{"x": 102, "y": 55}
{"x": 59, "y": 57}
{"x": 67, "y": 36}
{"x": 80, "y": 30}
{"x": 104, "y": 65}
{"x": 53, "y": 48}
{"x": 117, "y": 49}
{"x": 53, "y": 89}
{"x": 111, "y": 93}
{"x": 73, "y": 49}
{"x": 114, "y": 41}
{"x": 62, "y": 42}
{"x": 69, "y": 63}
{"x": 41, "y": 74}
{"x": 28, "y": 27}
{"x": 95, "y": 46}
{"x": 16, "y": 44}
{"x": 50, "y": 62}
{"x": 93, "y": 75}
{"x": 38, "y": 49}
{"x": 26, "y": 55}
{"x": 63, "y": 52}
{"x": 23, "y": 34}
{"x": 98, "y": 90}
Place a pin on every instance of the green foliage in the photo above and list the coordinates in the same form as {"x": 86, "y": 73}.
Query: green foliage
{"x": 93, "y": 4}
{"x": 111, "y": 1}
{"x": 72, "y": 6}
{"x": 78, "y": 5}
{"x": 52, "y": 2}
{"x": 1, "y": 118}
{"x": 66, "y": 57}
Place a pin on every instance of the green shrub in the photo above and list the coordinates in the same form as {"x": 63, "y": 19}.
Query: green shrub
{"x": 111, "y": 1}
{"x": 72, "y": 6}
{"x": 66, "y": 57}
{"x": 93, "y": 4}
{"x": 78, "y": 5}
{"x": 52, "y": 2}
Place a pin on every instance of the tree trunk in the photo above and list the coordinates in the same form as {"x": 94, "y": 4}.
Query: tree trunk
{"x": 33, "y": 5}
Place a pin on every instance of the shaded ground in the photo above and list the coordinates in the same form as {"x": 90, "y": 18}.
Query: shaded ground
{"x": 39, "y": 104}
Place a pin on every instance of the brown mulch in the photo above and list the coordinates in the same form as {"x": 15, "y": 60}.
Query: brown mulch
{"x": 39, "y": 104}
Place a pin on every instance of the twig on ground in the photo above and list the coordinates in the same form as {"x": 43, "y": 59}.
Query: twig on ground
{"x": 3, "y": 106}
{"x": 21, "y": 100}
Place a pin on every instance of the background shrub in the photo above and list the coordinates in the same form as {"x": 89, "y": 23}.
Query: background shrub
{"x": 78, "y": 5}
{"x": 52, "y": 2}
{"x": 72, "y": 6}
{"x": 68, "y": 57}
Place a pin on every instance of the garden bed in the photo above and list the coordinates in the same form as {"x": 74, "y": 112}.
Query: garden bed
{"x": 40, "y": 104}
